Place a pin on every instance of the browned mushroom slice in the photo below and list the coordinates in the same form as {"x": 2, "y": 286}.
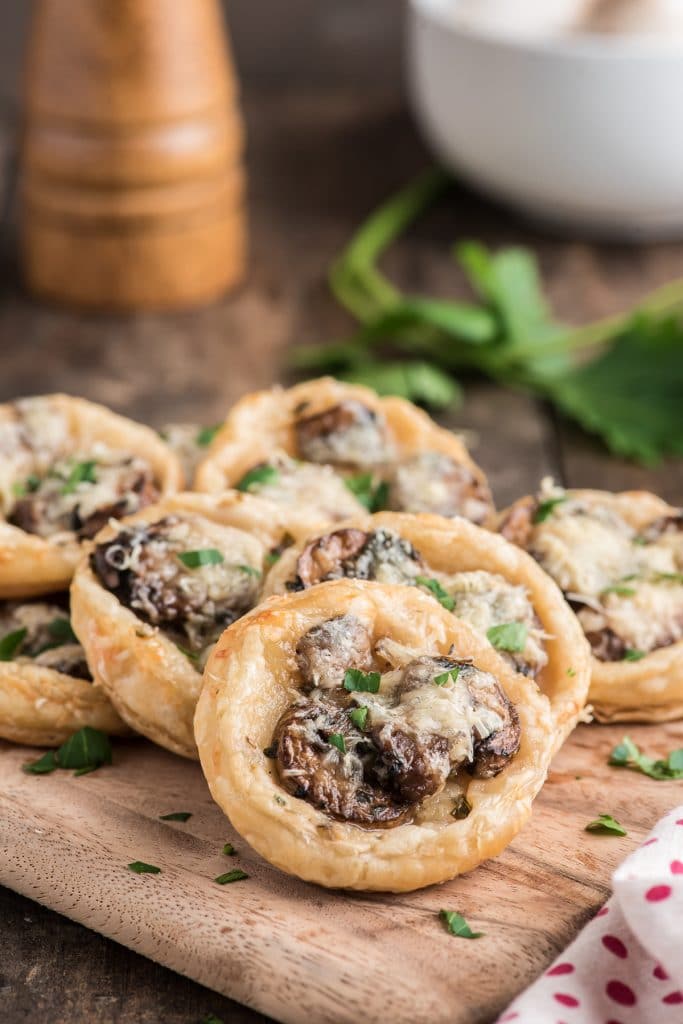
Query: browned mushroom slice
{"x": 434, "y": 482}
{"x": 376, "y": 555}
{"x": 326, "y": 651}
{"x": 348, "y": 434}
{"x": 661, "y": 527}
{"x": 517, "y": 526}
{"x": 411, "y": 767}
{"x": 69, "y": 659}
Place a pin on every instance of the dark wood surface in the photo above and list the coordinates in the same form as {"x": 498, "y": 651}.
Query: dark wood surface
{"x": 323, "y": 151}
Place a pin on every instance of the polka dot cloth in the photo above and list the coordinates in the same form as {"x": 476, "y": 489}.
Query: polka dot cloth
{"x": 626, "y": 966}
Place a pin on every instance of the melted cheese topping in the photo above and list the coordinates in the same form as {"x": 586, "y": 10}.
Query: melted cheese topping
{"x": 308, "y": 484}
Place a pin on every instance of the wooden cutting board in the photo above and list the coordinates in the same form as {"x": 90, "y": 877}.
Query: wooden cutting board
{"x": 299, "y": 953}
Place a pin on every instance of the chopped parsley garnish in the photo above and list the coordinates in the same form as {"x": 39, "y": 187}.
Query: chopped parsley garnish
{"x": 10, "y": 644}
{"x": 85, "y": 751}
{"x": 236, "y": 875}
{"x": 280, "y": 800}
{"x": 271, "y": 558}
{"x": 452, "y": 673}
{"x": 211, "y": 1018}
{"x": 571, "y": 672}
{"x": 508, "y": 636}
{"x": 190, "y": 655}
{"x": 28, "y": 486}
{"x": 547, "y": 507}
{"x": 336, "y": 739}
{"x": 203, "y": 556}
{"x": 229, "y": 850}
{"x": 631, "y": 654}
{"x": 442, "y": 596}
{"x": 176, "y": 816}
{"x": 363, "y": 682}
{"x": 140, "y": 868}
{"x": 259, "y": 476}
{"x": 668, "y": 577}
{"x": 620, "y": 590}
{"x": 249, "y": 570}
{"x": 205, "y": 436}
{"x": 461, "y": 808}
{"x": 456, "y": 924}
{"x": 81, "y": 473}
{"x": 372, "y": 496}
{"x": 627, "y": 755}
{"x": 605, "y": 824}
{"x": 359, "y": 717}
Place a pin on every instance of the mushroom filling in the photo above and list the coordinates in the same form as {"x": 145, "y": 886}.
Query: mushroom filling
{"x": 484, "y": 600}
{"x": 348, "y": 434}
{"x": 626, "y": 585}
{"x": 170, "y": 577}
{"x": 434, "y": 482}
{"x": 288, "y": 482}
{"x": 81, "y": 493}
{"x": 369, "y": 747}
{"x": 39, "y": 633}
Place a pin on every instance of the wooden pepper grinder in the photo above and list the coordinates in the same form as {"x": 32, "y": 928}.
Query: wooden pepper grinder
{"x": 132, "y": 188}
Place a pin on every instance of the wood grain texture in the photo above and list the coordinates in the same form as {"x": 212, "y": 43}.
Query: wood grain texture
{"x": 275, "y": 943}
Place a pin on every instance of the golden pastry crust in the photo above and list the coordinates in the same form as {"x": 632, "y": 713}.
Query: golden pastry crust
{"x": 42, "y": 708}
{"x": 650, "y": 689}
{"x": 152, "y": 684}
{"x": 262, "y": 423}
{"x": 455, "y": 546}
{"x": 251, "y": 679}
{"x": 31, "y": 564}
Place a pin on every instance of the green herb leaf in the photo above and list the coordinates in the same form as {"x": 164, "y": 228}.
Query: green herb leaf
{"x": 605, "y": 824}
{"x": 229, "y": 850}
{"x": 259, "y": 476}
{"x": 362, "y": 682}
{"x": 43, "y": 766}
{"x": 547, "y": 507}
{"x": 414, "y": 380}
{"x": 461, "y": 808}
{"x": 192, "y": 656}
{"x": 81, "y": 473}
{"x": 176, "y": 816}
{"x": 508, "y": 636}
{"x": 627, "y": 755}
{"x": 359, "y": 717}
{"x": 140, "y": 868}
{"x": 10, "y": 644}
{"x": 631, "y": 654}
{"x": 442, "y": 596}
{"x": 211, "y": 1018}
{"x": 236, "y": 875}
{"x": 372, "y": 496}
{"x": 336, "y": 739}
{"x": 206, "y": 435}
{"x": 249, "y": 570}
{"x": 620, "y": 590}
{"x": 456, "y": 924}
{"x": 667, "y": 577}
{"x": 87, "y": 748}
{"x": 452, "y": 673}
{"x": 203, "y": 556}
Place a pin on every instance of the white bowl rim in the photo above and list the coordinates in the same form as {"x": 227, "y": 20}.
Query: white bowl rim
{"x": 581, "y": 46}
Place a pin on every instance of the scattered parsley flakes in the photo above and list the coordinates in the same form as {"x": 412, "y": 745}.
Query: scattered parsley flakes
{"x": 205, "y": 436}
{"x": 359, "y": 717}
{"x": 190, "y": 655}
{"x": 81, "y": 473}
{"x": 627, "y": 755}
{"x": 271, "y": 558}
{"x": 203, "y": 556}
{"x": 442, "y": 596}
{"x": 43, "y": 766}
{"x": 461, "y": 807}
{"x": 620, "y": 590}
{"x": 362, "y": 682}
{"x": 571, "y": 672}
{"x": 336, "y": 739}
{"x": 547, "y": 507}
{"x": 508, "y": 636}
{"x": 236, "y": 875}
{"x": 176, "y": 816}
{"x": 456, "y": 924}
{"x": 372, "y": 496}
{"x": 85, "y": 751}
{"x": 631, "y": 654}
{"x": 140, "y": 868}
{"x": 249, "y": 570}
{"x": 229, "y": 850}
{"x": 605, "y": 824}
{"x": 10, "y": 644}
{"x": 259, "y": 476}
{"x": 452, "y": 673}
{"x": 211, "y": 1018}
{"x": 280, "y": 800}
{"x": 668, "y": 577}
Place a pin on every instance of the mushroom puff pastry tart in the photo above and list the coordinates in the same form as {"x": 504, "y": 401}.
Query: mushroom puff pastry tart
{"x": 66, "y": 467}
{"x": 46, "y": 690}
{"x": 338, "y": 450}
{"x": 476, "y": 575}
{"x": 153, "y": 594}
{"x": 619, "y": 560}
{"x": 360, "y": 736}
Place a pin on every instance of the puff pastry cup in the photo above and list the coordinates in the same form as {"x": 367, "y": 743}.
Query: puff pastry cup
{"x": 498, "y": 589}
{"x": 338, "y": 449}
{"x": 384, "y": 801}
{"x": 67, "y": 466}
{"x": 46, "y": 692}
{"x": 619, "y": 560}
{"x": 151, "y": 595}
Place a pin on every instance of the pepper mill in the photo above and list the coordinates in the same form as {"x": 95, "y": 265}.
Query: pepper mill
{"x": 131, "y": 184}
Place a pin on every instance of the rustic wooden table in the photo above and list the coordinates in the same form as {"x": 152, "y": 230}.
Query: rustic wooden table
{"x": 320, "y": 158}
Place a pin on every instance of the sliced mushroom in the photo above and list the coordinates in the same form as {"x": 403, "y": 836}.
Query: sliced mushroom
{"x": 376, "y": 555}
{"x": 517, "y": 526}
{"x": 434, "y": 482}
{"x": 326, "y": 651}
{"x": 348, "y": 434}
{"x": 661, "y": 527}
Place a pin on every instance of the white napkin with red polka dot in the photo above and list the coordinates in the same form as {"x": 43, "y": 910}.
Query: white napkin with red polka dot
{"x": 626, "y": 966}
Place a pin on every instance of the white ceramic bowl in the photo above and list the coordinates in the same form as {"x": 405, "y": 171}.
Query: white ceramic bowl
{"x": 581, "y": 131}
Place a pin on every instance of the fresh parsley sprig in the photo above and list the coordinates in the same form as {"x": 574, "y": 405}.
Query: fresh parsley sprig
{"x": 627, "y": 755}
